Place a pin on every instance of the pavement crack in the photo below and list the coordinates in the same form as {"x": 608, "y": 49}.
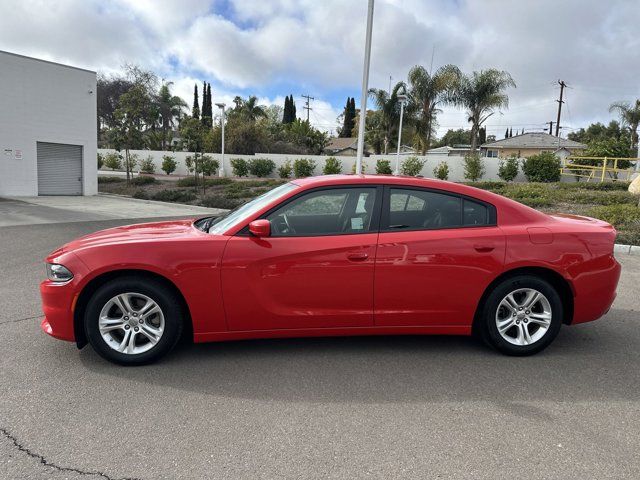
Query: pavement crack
{"x": 16, "y": 320}
{"x": 26, "y": 450}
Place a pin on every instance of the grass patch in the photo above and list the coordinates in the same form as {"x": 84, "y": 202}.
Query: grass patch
{"x": 143, "y": 180}
{"x": 220, "y": 201}
{"x": 176, "y": 196}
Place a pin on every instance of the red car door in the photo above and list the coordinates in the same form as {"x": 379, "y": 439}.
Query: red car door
{"x": 316, "y": 268}
{"x": 437, "y": 252}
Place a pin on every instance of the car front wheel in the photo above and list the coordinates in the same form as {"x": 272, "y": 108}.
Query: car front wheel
{"x": 132, "y": 321}
{"x": 522, "y": 315}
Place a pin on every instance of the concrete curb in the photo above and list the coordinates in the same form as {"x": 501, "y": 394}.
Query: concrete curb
{"x": 620, "y": 248}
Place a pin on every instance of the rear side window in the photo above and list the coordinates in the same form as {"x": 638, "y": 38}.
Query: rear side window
{"x": 475, "y": 213}
{"x": 413, "y": 209}
{"x": 418, "y": 209}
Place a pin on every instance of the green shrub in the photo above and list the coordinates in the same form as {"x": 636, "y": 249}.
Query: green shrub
{"x": 143, "y": 180}
{"x": 508, "y": 169}
{"x": 209, "y": 165}
{"x": 147, "y": 165}
{"x": 191, "y": 182}
{"x": 303, "y": 167}
{"x": 544, "y": 167}
{"x": 594, "y": 186}
{"x": 261, "y": 167}
{"x": 332, "y": 166}
{"x": 285, "y": 170}
{"x": 363, "y": 167}
{"x": 492, "y": 186}
{"x": 412, "y": 166}
{"x": 220, "y": 201}
{"x": 602, "y": 197}
{"x": 100, "y": 161}
{"x": 113, "y": 161}
{"x": 383, "y": 167}
{"x": 618, "y": 215}
{"x": 141, "y": 194}
{"x": 473, "y": 167}
{"x": 441, "y": 171}
{"x": 169, "y": 164}
{"x": 102, "y": 179}
{"x": 176, "y": 196}
{"x": 133, "y": 161}
{"x": 534, "y": 195}
{"x": 240, "y": 167}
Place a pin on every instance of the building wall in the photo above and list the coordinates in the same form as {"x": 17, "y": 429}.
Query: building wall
{"x": 43, "y": 102}
{"x": 525, "y": 152}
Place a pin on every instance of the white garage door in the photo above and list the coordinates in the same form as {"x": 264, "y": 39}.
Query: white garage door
{"x": 59, "y": 169}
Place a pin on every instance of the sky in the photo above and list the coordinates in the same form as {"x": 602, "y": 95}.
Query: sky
{"x": 273, "y": 48}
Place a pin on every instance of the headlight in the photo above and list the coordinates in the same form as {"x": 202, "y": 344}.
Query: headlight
{"x": 58, "y": 273}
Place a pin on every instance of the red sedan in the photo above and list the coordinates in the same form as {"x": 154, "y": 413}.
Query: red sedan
{"x": 335, "y": 255}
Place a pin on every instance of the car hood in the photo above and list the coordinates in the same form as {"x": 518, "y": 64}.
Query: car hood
{"x": 142, "y": 232}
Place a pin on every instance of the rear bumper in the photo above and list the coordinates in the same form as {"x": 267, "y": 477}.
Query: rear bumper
{"x": 57, "y": 305}
{"x": 595, "y": 289}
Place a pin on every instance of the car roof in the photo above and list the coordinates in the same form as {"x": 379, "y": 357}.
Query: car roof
{"x": 509, "y": 210}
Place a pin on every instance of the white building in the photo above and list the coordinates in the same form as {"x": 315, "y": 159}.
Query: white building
{"x": 47, "y": 128}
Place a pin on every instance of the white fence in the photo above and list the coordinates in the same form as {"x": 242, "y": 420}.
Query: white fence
{"x": 456, "y": 163}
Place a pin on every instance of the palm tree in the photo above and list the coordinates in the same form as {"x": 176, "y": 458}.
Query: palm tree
{"x": 249, "y": 108}
{"x": 169, "y": 108}
{"x": 426, "y": 92}
{"x": 481, "y": 93}
{"x": 630, "y": 116}
{"x": 389, "y": 108}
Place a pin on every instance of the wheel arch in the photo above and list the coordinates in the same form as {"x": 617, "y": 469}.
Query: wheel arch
{"x": 561, "y": 284}
{"x": 90, "y": 288}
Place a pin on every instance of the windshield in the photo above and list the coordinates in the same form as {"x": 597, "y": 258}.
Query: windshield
{"x": 237, "y": 215}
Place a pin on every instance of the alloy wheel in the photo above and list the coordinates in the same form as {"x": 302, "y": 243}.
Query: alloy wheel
{"x": 131, "y": 323}
{"x": 523, "y": 316}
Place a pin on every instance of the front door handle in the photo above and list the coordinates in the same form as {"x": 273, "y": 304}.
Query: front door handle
{"x": 358, "y": 257}
{"x": 484, "y": 248}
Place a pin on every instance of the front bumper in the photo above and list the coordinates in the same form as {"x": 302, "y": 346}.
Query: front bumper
{"x": 58, "y": 302}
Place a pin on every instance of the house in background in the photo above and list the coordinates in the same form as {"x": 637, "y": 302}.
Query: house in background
{"x": 528, "y": 144}
{"x": 347, "y": 146}
{"x": 457, "y": 150}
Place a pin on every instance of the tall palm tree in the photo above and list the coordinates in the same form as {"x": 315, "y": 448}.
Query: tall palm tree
{"x": 249, "y": 108}
{"x": 630, "y": 116}
{"x": 389, "y": 108}
{"x": 481, "y": 93}
{"x": 427, "y": 91}
{"x": 169, "y": 109}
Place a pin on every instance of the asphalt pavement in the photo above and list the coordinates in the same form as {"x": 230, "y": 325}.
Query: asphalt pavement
{"x": 343, "y": 408}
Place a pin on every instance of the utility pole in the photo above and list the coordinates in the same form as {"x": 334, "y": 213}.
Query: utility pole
{"x": 307, "y": 107}
{"x": 551, "y": 127}
{"x": 560, "y": 102}
{"x": 365, "y": 88}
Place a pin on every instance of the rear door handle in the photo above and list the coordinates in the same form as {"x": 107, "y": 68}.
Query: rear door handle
{"x": 358, "y": 257}
{"x": 484, "y": 248}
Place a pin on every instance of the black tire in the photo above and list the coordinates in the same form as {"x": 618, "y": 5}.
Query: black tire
{"x": 487, "y": 321}
{"x": 163, "y": 296}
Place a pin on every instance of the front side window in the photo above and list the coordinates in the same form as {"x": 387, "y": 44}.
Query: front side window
{"x": 326, "y": 212}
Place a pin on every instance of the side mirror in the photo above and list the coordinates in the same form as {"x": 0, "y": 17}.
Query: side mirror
{"x": 260, "y": 228}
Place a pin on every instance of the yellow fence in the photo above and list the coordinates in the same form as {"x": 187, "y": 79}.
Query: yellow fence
{"x": 598, "y": 168}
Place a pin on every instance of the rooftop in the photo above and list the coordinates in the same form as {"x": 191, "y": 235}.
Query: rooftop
{"x": 534, "y": 140}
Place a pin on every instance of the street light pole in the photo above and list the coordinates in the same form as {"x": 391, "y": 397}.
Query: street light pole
{"x": 401, "y": 99}
{"x": 365, "y": 88}
{"x": 221, "y": 107}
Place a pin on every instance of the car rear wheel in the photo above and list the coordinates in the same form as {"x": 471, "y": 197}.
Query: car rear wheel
{"x": 522, "y": 315}
{"x": 132, "y": 322}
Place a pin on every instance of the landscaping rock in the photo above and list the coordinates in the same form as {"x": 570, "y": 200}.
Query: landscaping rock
{"x": 634, "y": 187}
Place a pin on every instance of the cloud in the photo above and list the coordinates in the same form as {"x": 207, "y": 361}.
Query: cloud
{"x": 273, "y": 48}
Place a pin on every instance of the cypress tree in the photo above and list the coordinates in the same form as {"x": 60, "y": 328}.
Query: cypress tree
{"x": 285, "y": 113}
{"x": 522, "y": 131}
{"x": 511, "y": 132}
{"x": 506, "y": 133}
{"x": 195, "y": 110}
{"x": 353, "y": 116}
{"x": 292, "y": 106}
{"x": 349, "y": 118}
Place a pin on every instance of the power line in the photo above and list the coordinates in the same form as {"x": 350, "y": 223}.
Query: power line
{"x": 307, "y": 106}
